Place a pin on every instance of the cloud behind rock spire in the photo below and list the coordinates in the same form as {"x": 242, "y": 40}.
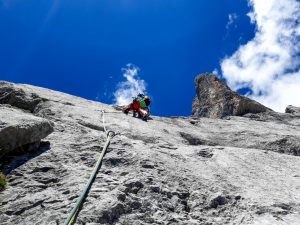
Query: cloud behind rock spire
{"x": 269, "y": 63}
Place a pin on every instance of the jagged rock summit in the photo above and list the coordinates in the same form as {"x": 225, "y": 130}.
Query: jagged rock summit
{"x": 293, "y": 110}
{"x": 216, "y": 100}
{"x": 168, "y": 171}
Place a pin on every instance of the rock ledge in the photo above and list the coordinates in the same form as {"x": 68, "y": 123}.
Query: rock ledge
{"x": 19, "y": 129}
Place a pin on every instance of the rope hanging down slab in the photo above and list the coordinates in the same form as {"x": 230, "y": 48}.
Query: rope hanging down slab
{"x": 73, "y": 213}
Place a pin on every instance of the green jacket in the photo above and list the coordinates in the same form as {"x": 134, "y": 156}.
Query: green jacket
{"x": 143, "y": 104}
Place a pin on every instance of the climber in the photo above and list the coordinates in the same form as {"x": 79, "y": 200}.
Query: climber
{"x": 140, "y": 105}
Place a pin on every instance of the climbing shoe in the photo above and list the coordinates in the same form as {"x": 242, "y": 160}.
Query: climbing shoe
{"x": 126, "y": 111}
{"x": 134, "y": 113}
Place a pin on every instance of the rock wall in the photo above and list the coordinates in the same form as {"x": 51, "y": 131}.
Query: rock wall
{"x": 15, "y": 96}
{"x": 216, "y": 100}
{"x": 181, "y": 170}
{"x": 19, "y": 129}
{"x": 293, "y": 110}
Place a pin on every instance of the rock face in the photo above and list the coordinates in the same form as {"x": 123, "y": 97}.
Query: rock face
{"x": 216, "y": 100}
{"x": 19, "y": 129}
{"x": 17, "y": 97}
{"x": 168, "y": 171}
{"x": 293, "y": 110}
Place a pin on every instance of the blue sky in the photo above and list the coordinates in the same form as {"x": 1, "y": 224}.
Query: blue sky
{"x": 80, "y": 47}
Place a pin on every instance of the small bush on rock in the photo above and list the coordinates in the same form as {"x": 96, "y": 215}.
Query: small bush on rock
{"x": 2, "y": 181}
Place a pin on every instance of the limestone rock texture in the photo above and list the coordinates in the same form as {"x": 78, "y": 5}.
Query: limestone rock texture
{"x": 293, "y": 110}
{"x": 20, "y": 129}
{"x": 167, "y": 171}
{"x": 214, "y": 99}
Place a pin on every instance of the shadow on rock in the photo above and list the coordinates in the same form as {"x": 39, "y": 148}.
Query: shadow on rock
{"x": 13, "y": 161}
{"x": 191, "y": 139}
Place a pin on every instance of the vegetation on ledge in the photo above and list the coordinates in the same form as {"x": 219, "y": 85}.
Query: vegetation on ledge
{"x": 2, "y": 182}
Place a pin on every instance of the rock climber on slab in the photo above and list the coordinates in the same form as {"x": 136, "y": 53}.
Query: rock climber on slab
{"x": 139, "y": 106}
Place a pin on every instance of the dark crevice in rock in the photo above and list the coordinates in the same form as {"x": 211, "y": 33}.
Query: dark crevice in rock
{"x": 168, "y": 146}
{"x": 220, "y": 202}
{"x": 205, "y": 153}
{"x": 287, "y": 144}
{"x": 277, "y": 209}
{"x": 145, "y": 139}
{"x": 133, "y": 186}
{"x": 147, "y": 164}
{"x": 116, "y": 161}
{"x": 43, "y": 169}
{"x": 28, "y": 148}
{"x": 194, "y": 140}
{"x": 13, "y": 161}
{"x": 47, "y": 180}
{"x": 110, "y": 216}
{"x": 22, "y": 210}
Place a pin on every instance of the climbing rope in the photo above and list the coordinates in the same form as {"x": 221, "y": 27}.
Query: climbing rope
{"x": 108, "y": 135}
{"x": 103, "y": 121}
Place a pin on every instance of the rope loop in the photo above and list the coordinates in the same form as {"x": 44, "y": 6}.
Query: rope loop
{"x": 111, "y": 133}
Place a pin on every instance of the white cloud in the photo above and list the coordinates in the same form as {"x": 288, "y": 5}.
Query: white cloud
{"x": 231, "y": 19}
{"x": 269, "y": 63}
{"x": 215, "y": 72}
{"x": 129, "y": 88}
{"x": 284, "y": 91}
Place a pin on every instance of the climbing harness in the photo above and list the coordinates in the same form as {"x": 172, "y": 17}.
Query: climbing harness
{"x": 108, "y": 135}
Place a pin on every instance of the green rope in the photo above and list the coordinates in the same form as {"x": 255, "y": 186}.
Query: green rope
{"x": 73, "y": 213}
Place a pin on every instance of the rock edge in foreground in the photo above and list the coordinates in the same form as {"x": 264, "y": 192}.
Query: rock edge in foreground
{"x": 19, "y": 129}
